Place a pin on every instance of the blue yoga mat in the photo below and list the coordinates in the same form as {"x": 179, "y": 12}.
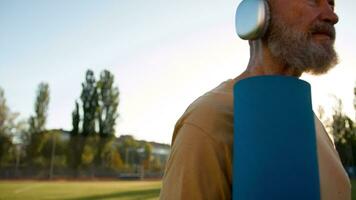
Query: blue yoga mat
{"x": 275, "y": 153}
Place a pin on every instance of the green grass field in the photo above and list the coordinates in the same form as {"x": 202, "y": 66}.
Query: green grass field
{"x": 79, "y": 190}
{"x": 86, "y": 190}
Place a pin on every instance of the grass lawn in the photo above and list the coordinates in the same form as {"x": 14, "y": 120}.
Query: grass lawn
{"x": 79, "y": 190}
{"x": 86, "y": 190}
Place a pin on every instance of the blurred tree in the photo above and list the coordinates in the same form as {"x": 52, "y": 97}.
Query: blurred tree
{"x": 355, "y": 101}
{"x": 75, "y": 120}
{"x": 3, "y": 108}
{"x": 89, "y": 151}
{"x": 21, "y": 140}
{"x": 6, "y": 144}
{"x": 107, "y": 115}
{"x": 54, "y": 149}
{"x": 37, "y": 125}
{"x": 12, "y": 134}
{"x": 156, "y": 165}
{"x": 147, "y": 155}
{"x": 116, "y": 162}
{"x": 321, "y": 113}
{"x": 128, "y": 147}
{"x": 108, "y": 103}
{"x": 38, "y": 122}
{"x": 89, "y": 99}
{"x": 75, "y": 148}
{"x": 344, "y": 135}
{"x": 90, "y": 105}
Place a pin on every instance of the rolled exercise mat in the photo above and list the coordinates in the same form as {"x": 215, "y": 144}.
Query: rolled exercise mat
{"x": 275, "y": 153}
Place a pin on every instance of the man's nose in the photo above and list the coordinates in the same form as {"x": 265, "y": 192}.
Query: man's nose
{"x": 328, "y": 14}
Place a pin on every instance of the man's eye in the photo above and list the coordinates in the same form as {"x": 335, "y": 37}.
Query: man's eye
{"x": 332, "y": 3}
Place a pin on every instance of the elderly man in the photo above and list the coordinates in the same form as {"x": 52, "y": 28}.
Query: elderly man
{"x": 300, "y": 38}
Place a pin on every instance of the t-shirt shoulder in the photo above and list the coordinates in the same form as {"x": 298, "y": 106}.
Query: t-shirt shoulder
{"x": 212, "y": 113}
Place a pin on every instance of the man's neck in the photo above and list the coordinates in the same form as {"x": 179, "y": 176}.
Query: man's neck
{"x": 263, "y": 63}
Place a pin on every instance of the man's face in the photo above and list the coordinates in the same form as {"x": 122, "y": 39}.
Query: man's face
{"x": 302, "y": 34}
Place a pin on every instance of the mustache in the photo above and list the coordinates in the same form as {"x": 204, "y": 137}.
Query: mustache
{"x": 324, "y": 28}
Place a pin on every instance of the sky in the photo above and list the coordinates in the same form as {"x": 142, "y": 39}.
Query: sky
{"x": 163, "y": 54}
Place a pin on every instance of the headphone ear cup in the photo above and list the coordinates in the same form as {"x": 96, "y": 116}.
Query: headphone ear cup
{"x": 252, "y": 19}
{"x": 267, "y": 18}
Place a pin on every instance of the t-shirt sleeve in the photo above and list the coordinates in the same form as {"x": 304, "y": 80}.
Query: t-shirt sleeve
{"x": 198, "y": 167}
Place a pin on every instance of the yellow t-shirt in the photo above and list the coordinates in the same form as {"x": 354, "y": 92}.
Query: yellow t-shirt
{"x": 200, "y": 163}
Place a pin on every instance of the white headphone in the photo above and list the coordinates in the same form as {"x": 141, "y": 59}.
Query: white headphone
{"x": 252, "y": 19}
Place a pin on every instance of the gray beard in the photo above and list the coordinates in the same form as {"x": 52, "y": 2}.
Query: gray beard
{"x": 297, "y": 50}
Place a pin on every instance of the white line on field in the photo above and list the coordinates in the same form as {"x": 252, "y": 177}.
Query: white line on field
{"x": 26, "y": 188}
